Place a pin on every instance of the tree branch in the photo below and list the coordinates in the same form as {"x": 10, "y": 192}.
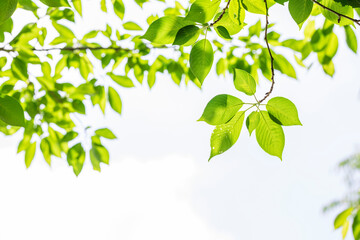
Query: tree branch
{"x": 222, "y": 14}
{"x": 271, "y": 56}
{"x": 357, "y": 21}
{"x": 72, "y": 49}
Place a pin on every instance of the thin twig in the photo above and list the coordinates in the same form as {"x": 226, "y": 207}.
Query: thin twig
{"x": 72, "y": 49}
{"x": 271, "y": 56}
{"x": 222, "y": 14}
{"x": 357, "y": 21}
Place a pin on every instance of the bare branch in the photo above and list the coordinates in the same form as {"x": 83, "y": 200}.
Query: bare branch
{"x": 222, "y": 14}
{"x": 357, "y": 21}
{"x": 271, "y": 56}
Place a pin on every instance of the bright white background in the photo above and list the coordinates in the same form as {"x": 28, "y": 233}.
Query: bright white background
{"x": 159, "y": 184}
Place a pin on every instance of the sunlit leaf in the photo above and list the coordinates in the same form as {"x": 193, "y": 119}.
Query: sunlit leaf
{"x": 270, "y": 135}
{"x": 225, "y": 136}
{"x": 106, "y": 133}
{"x": 244, "y": 82}
{"x": 283, "y": 111}
{"x": 201, "y": 59}
{"x": 30, "y": 154}
{"x": 252, "y": 121}
{"x": 76, "y": 158}
{"x": 203, "y": 11}
{"x": 164, "y": 30}
{"x": 221, "y": 109}
{"x": 114, "y": 99}
{"x": 342, "y": 217}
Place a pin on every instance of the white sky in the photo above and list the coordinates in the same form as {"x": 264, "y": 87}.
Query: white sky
{"x": 159, "y": 184}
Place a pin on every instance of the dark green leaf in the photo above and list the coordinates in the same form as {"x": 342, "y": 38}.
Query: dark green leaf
{"x": 11, "y": 111}
{"x": 300, "y": 10}
{"x": 187, "y": 35}
{"x": 7, "y": 8}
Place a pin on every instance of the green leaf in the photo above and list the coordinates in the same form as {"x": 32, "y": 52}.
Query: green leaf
{"x": 342, "y": 217}
{"x": 98, "y": 154}
{"x": 252, "y": 121}
{"x": 329, "y": 68}
{"x": 226, "y": 22}
{"x": 56, "y": 3}
{"x": 30, "y": 154}
{"x": 46, "y": 150}
{"x": 78, "y": 106}
{"x": 284, "y": 66}
{"x": 300, "y": 10}
{"x": 164, "y": 30}
{"x": 221, "y": 109}
{"x": 225, "y": 136}
{"x": 119, "y": 8}
{"x": 63, "y": 31}
{"x": 318, "y": 41}
{"x": 345, "y": 229}
{"x": 101, "y": 153}
{"x": 223, "y": 32}
{"x": 187, "y": 35}
{"x": 106, "y": 133}
{"x": 351, "y": 38}
{"x": 352, "y": 3}
{"x": 7, "y": 8}
{"x": 203, "y": 11}
{"x": 201, "y": 59}
{"x": 221, "y": 67}
{"x": 283, "y": 111}
{"x": 337, "y": 7}
{"x": 114, "y": 99}
{"x": 77, "y": 6}
{"x": 237, "y": 12}
{"x": 244, "y": 82}
{"x": 356, "y": 226}
{"x": 132, "y": 26}
{"x": 270, "y": 135}
{"x": 69, "y": 136}
{"x": 76, "y": 158}
{"x": 123, "y": 81}
{"x": 19, "y": 69}
{"x": 256, "y": 6}
{"x": 11, "y": 111}
{"x": 103, "y": 5}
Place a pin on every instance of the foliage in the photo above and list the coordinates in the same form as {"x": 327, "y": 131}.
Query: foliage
{"x": 349, "y": 216}
{"x": 45, "y": 105}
